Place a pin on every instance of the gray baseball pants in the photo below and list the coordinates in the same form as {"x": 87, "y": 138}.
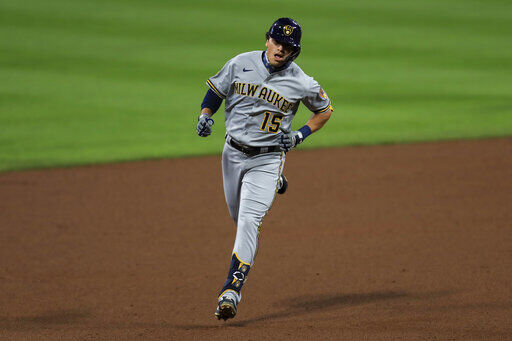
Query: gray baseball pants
{"x": 250, "y": 186}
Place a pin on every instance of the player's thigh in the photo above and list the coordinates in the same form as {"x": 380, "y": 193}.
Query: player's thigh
{"x": 259, "y": 184}
{"x": 232, "y": 169}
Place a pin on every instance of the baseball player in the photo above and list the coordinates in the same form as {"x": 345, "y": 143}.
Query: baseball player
{"x": 263, "y": 90}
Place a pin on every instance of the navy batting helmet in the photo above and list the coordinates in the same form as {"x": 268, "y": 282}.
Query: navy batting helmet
{"x": 286, "y": 31}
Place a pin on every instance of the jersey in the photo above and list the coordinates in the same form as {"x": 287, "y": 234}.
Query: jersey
{"x": 259, "y": 103}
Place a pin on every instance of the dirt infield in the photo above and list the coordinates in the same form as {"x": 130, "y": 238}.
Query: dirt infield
{"x": 386, "y": 242}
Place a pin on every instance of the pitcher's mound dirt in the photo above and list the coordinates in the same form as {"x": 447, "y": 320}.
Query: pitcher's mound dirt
{"x": 386, "y": 242}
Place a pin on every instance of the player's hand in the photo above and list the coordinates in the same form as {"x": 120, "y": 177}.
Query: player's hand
{"x": 289, "y": 140}
{"x": 204, "y": 125}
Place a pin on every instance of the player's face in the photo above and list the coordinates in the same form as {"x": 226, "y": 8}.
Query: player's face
{"x": 277, "y": 53}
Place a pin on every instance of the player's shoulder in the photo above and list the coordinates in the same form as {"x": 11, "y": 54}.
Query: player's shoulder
{"x": 251, "y": 55}
{"x": 296, "y": 71}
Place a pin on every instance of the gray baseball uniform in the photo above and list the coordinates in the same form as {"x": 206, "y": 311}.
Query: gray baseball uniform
{"x": 257, "y": 105}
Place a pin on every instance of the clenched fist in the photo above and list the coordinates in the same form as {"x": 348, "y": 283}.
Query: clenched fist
{"x": 289, "y": 140}
{"x": 204, "y": 125}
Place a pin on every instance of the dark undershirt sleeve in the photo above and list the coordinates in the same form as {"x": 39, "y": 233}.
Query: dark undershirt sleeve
{"x": 212, "y": 101}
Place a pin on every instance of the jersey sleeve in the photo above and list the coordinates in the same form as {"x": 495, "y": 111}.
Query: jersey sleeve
{"x": 315, "y": 98}
{"x": 221, "y": 82}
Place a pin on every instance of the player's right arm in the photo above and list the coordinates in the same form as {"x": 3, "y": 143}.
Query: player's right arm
{"x": 218, "y": 88}
{"x": 211, "y": 103}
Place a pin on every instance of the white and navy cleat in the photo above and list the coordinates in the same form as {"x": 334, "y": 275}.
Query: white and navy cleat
{"x": 226, "y": 309}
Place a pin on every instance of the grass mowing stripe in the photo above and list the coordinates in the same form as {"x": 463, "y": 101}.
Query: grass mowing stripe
{"x": 113, "y": 80}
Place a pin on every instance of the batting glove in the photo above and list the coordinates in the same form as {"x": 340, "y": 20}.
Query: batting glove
{"x": 204, "y": 125}
{"x": 290, "y": 140}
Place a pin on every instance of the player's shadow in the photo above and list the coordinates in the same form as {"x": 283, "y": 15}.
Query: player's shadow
{"x": 43, "y": 320}
{"x": 309, "y": 304}
{"x": 303, "y": 305}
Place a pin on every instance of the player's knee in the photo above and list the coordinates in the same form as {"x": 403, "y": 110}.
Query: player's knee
{"x": 254, "y": 207}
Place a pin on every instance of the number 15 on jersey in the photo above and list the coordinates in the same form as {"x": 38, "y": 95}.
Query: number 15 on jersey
{"x": 271, "y": 122}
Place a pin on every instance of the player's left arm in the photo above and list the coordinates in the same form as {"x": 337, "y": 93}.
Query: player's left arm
{"x": 319, "y": 103}
{"x": 317, "y": 121}
{"x": 290, "y": 140}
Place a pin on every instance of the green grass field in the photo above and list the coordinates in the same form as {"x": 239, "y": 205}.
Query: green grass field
{"x": 98, "y": 81}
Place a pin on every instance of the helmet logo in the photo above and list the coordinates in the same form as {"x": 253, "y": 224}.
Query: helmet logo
{"x": 288, "y": 30}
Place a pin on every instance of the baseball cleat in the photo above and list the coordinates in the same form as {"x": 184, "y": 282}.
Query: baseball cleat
{"x": 283, "y": 184}
{"x": 226, "y": 309}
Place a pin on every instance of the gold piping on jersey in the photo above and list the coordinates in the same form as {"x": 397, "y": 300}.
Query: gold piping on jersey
{"x": 324, "y": 109}
{"x": 210, "y": 84}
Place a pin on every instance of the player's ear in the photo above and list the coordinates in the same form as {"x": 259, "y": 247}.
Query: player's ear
{"x": 267, "y": 37}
